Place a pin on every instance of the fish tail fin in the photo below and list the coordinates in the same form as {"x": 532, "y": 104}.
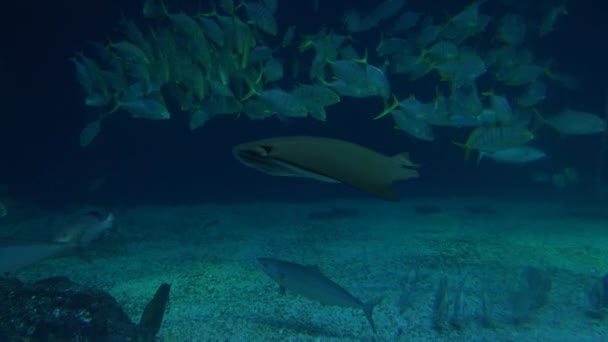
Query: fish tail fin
{"x": 407, "y": 169}
{"x": 388, "y": 108}
{"x": 252, "y": 86}
{"x": 537, "y": 121}
{"x": 306, "y": 44}
{"x": 163, "y": 7}
{"x": 239, "y": 5}
{"x": 362, "y": 60}
{"x": 368, "y": 309}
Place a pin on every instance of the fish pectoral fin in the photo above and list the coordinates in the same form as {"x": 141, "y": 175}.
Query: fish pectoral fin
{"x": 406, "y": 169}
{"x": 281, "y": 290}
{"x": 403, "y": 159}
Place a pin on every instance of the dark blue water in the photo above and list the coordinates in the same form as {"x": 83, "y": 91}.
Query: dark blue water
{"x": 144, "y": 161}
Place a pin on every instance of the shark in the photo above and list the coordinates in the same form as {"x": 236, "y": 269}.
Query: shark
{"x": 328, "y": 160}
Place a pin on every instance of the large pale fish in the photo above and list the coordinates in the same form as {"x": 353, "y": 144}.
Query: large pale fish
{"x": 13, "y": 258}
{"x": 571, "y": 122}
{"x": 77, "y": 233}
{"x": 328, "y": 160}
{"x": 308, "y": 281}
{"x": 84, "y": 228}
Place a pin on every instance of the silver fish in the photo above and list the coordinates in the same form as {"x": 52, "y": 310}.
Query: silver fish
{"x": 515, "y": 155}
{"x": 572, "y": 122}
{"x": 79, "y": 232}
{"x": 309, "y": 282}
{"x": 13, "y": 258}
{"x": 84, "y": 229}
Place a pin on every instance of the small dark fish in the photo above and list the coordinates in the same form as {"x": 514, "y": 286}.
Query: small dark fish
{"x": 427, "y": 209}
{"x": 309, "y": 282}
{"x": 480, "y": 209}
{"x": 328, "y": 160}
{"x": 152, "y": 317}
{"x": 333, "y": 214}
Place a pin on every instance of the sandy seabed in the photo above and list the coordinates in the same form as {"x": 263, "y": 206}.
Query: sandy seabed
{"x": 371, "y": 248}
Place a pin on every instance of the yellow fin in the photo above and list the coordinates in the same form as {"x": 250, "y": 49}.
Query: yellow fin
{"x": 537, "y": 121}
{"x": 362, "y": 60}
{"x": 252, "y": 86}
{"x": 388, "y": 108}
{"x": 466, "y": 148}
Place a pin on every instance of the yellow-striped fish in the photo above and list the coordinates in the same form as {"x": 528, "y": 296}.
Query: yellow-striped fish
{"x": 495, "y": 138}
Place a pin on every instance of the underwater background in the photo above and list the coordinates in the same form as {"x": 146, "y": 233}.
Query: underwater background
{"x": 162, "y": 180}
{"x": 160, "y": 161}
